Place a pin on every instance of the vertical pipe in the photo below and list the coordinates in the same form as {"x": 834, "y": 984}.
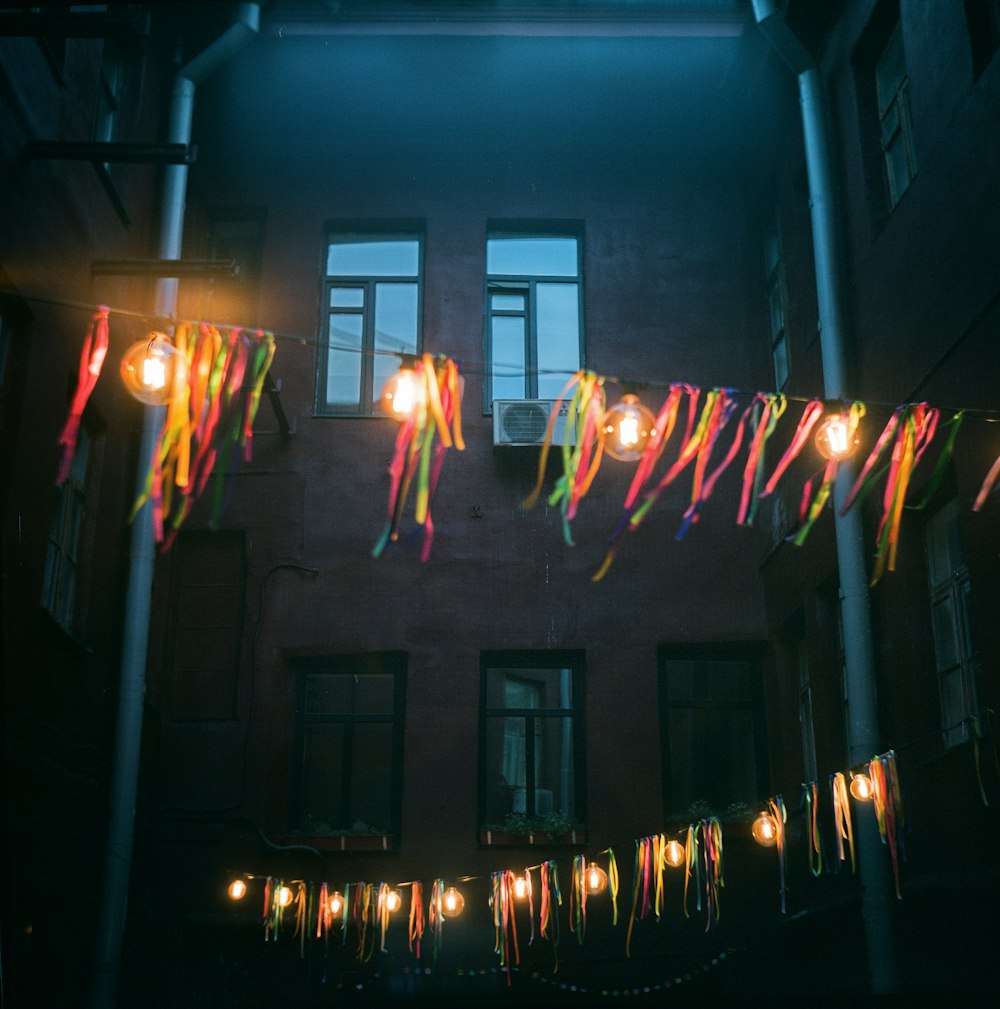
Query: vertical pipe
{"x": 863, "y": 740}
{"x": 120, "y": 840}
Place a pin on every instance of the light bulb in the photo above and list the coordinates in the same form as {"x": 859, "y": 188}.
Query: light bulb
{"x": 393, "y": 901}
{"x": 596, "y": 877}
{"x": 452, "y": 903}
{"x": 237, "y": 889}
{"x": 836, "y": 436}
{"x": 284, "y": 896}
{"x": 861, "y": 787}
{"x": 336, "y": 903}
{"x": 402, "y": 394}
{"x": 520, "y": 887}
{"x": 674, "y": 854}
{"x": 149, "y": 369}
{"x": 765, "y": 830}
{"x": 626, "y": 427}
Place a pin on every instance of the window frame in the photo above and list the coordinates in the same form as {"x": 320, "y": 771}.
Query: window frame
{"x": 394, "y": 663}
{"x": 500, "y": 282}
{"x": 751, "y": 652}
{"x": 953, "y": 589}
{"x": 895, "y": 104}
{"x": 774, "y": 273}
{"x": 368, "y": 399}
{"x": 573, "y": 660}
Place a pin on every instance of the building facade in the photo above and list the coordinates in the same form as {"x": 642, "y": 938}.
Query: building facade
{"x": 616, "y": 188}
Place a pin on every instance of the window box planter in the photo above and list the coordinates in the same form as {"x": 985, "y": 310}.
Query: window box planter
{"x": 490, "y": 837}
{"x": 344, "y": 842}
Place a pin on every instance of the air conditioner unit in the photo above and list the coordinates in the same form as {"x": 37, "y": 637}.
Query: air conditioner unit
{"x": 523, "y": 422}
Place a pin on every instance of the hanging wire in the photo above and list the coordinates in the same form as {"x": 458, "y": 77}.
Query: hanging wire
{"x": 988, "y": 415}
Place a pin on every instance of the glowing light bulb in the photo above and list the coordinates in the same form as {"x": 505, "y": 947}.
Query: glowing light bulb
{"x": 765, "y": 830}
{"x": 596, "y": 877}
{"x": 674, "y": 854}
{"x": 402, "y": 394}
{"x": 336, "y": 903}
{"x": 627, "y": 426}
{"x": 150, "y": 369}
{"x": 520, "y": 887}
{"x": 452, "y": 903}
{"x": 861, "y": 787}
{"x": 237, "y": 889}
{"x": 393, "y": 901}
{"x": 836, "y": 436}
{"x": 284, "y": 896}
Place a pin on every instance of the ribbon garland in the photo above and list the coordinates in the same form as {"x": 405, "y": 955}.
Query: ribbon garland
{"x": 210, "y": 413}
{"x": 843, "y": 829}
{"x": 578, "y": 898}
{"x": 505, "y": 924}
{"x": 776, "y": 807}
{"x": 95, "y": 350}
{"x": 416, "y": 923}
{"x": 888, "y": 803}
{"x": 810, "y": 801}
{"x": 766, "y": 412}
{"x": 613, "y": 885}
{"x": 551, "y": 899}
{"x": 434, "y": 426}
{"x": 581, "y": 459}
{"x": 911, "y": 428}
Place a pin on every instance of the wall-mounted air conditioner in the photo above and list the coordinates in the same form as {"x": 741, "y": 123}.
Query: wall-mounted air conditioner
{"x": 523, "y": 422}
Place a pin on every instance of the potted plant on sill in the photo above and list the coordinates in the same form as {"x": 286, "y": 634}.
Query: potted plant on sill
{"x": 518, "y": 829}
{"x": 319, "y": 834}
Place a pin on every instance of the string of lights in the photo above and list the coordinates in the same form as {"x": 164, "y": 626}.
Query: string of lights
{"x": 990, "y": 415}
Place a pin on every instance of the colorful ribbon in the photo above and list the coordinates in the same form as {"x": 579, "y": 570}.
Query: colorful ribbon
{"x": 842, "y": 824}
{"x": 888, "y": 803}
{"x": 95, "y": 349}
{"x": 434, "y": 426}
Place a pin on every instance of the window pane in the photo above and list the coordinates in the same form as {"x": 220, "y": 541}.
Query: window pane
{"x": 395, "y": 328}
{"x": 557, "y": 315}
{"x": 546, "y": 688}
{"x": 328, "y": 695}
{"x": 891, "y": 70}
{"x": 532, "y": 257}
{"x": 554, "y": 766}
{"x": 507, "y": 333}
{"x": 731, "y": 773}
{"x": 945, "y": 645}
{"x": 953, "y": 707}
{"x": 507, "y": 302}
{"x": 348, "y": 257}
{"x": 371, "y": 779}
{"x": 504, "y": 766}
{"x": 780, "y": 354}
{"x": 347, "y": 297}
{"x": 373, "y": 694}
{"x": 322, "y": 778}
{"x": 777, "y": 310}
{"x": 343, "y": 366}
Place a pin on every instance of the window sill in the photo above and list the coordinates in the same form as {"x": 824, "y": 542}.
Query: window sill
{"x": 344, "y": 842}
{"x": 489, "y": 838}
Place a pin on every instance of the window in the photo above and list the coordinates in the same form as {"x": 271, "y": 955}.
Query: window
{"x": 371, "y": 295}
{"x": 955, "y": 654}
{"x": 348, "y": 765}
{"x": 209, "y": 589}
{"x": 63, "y": 552}
{"x": 774, "y": 267}
{"x": 533, "y": 314}
{"x": 712, "y": 731}
{"x": 983, "y": 19}
{"x": 892, "y": 89}
{"x": 531, "y": 749}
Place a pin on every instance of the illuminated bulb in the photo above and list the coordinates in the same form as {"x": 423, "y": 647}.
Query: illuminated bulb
{"x": 836, "y": 437}
{"x": 520, "y": 887}
{"x": 861, "y": 787}
{"x": 765, "y": 830}
{"x": 597, "y": 878}
{"x": 674, "y": 854}
{"x": 284, "y": 896}
{"x": 393, "y": 901}
{"x": 148, "y": 369}
{"x": 452, "y": 903}
{"x": 402, "y": 394}
{"x": 237, "y": 889}
{"x": 627, "y": 426}
{"x": 336, "y": 903}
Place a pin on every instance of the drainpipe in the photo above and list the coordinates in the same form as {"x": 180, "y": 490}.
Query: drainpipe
{"x": 132, "y": 685}
{"x": 863, "y": 737}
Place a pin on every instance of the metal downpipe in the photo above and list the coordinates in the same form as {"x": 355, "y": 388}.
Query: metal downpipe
{"x": 120, "y": 839}
{"x": 863, "y": 735}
